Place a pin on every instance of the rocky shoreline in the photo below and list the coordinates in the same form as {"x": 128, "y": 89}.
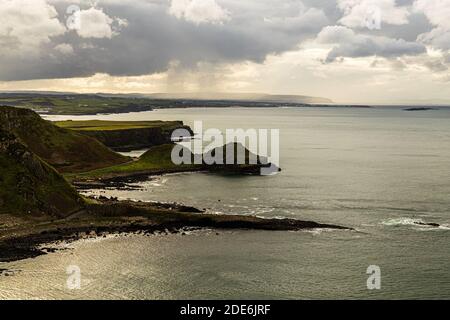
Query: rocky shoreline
{"x": 124, "y": 181}
{"x": 110, "y": 216}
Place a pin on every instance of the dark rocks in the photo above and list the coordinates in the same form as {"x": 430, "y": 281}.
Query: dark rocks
{"x": 428, "y": 224}
{"x": 7, "y": 272}
{"x": 419, "y": 109}
{"x": 127, "y": 217}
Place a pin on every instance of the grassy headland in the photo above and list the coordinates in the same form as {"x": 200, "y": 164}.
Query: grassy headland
{"x": 126, "y": 135}
{"x": 102, "y": 125}
{"x": 158, "y": 160}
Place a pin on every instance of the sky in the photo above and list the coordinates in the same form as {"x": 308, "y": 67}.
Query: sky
{"x": 350, "y": 51}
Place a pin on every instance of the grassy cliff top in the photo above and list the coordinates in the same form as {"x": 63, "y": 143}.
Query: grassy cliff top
{"x": 156, "y": 159}
{"x": 101, "y": 125}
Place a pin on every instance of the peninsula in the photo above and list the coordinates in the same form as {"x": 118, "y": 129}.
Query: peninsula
{"x": 41, "y": 164}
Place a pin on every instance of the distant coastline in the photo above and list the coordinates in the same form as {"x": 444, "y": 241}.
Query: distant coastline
{"x": 92, "y": 104}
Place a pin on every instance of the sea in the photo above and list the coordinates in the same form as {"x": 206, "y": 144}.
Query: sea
{"x": 383, "y": 171}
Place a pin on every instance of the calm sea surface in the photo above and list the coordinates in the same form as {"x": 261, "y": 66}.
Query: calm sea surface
{"x": 380, "y": 171}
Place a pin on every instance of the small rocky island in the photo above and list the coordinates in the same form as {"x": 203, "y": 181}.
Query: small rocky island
{"x": 41, "y": 164}
{"x": 420, "y": 109}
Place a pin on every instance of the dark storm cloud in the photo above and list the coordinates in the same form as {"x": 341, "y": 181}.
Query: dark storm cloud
{"x": 142, "y": 37}
{"x": 153, "y": 38}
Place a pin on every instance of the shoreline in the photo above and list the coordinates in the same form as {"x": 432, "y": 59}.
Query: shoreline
{"x": 117, "y": 178}
{"x": 109, "y": 216}
{"x": 122, "y": 180}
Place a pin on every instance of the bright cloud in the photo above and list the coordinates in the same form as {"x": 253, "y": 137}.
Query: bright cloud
{"x": 360, "y": 13}
{"x": 199, "y": 11}
{"x": 438, "y": 13}
{"x": 93, "y": 23}
{"x": 27, "y": 24}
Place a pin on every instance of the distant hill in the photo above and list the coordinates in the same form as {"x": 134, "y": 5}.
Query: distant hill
{"x": 29, "y": 186}
{"x": 212, "y": 96}
{"x": 66, "y": 150}
{"x": 261, "y": 97}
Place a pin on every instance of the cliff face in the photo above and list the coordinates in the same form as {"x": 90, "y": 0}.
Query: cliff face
{"x": 66, "y": 150}
{"x": 29, "y": 186}
{"x": 132, "y": 139}
{"x": 125, "y": 136}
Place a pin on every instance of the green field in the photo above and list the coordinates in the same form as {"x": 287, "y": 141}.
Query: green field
{"x": 100, "y": 125}
{"x": 76, "y": 104}
{"x": 156, "y": 159}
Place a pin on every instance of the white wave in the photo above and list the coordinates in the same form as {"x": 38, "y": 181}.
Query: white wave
{"x": 402, "y": 222}
{"x": 316, "y": 231}
{"x": 444, "y": 227}
{"x": 419, "y": 224}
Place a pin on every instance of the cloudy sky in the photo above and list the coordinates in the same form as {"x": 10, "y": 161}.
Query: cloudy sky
{"x": 357, "y": 51}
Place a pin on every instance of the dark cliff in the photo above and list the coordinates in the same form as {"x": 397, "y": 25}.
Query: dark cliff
{"x": 125, "y": 136}
{"x": 133, "y": 139}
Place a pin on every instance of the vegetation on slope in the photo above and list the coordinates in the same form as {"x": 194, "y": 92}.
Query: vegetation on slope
{"x": 66, "y": 150}
{"x": 158, "y": 159}
{"x": 30, "y": 186}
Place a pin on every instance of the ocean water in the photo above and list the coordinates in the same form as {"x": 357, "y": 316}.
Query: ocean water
{"x": 381, "y": 171}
